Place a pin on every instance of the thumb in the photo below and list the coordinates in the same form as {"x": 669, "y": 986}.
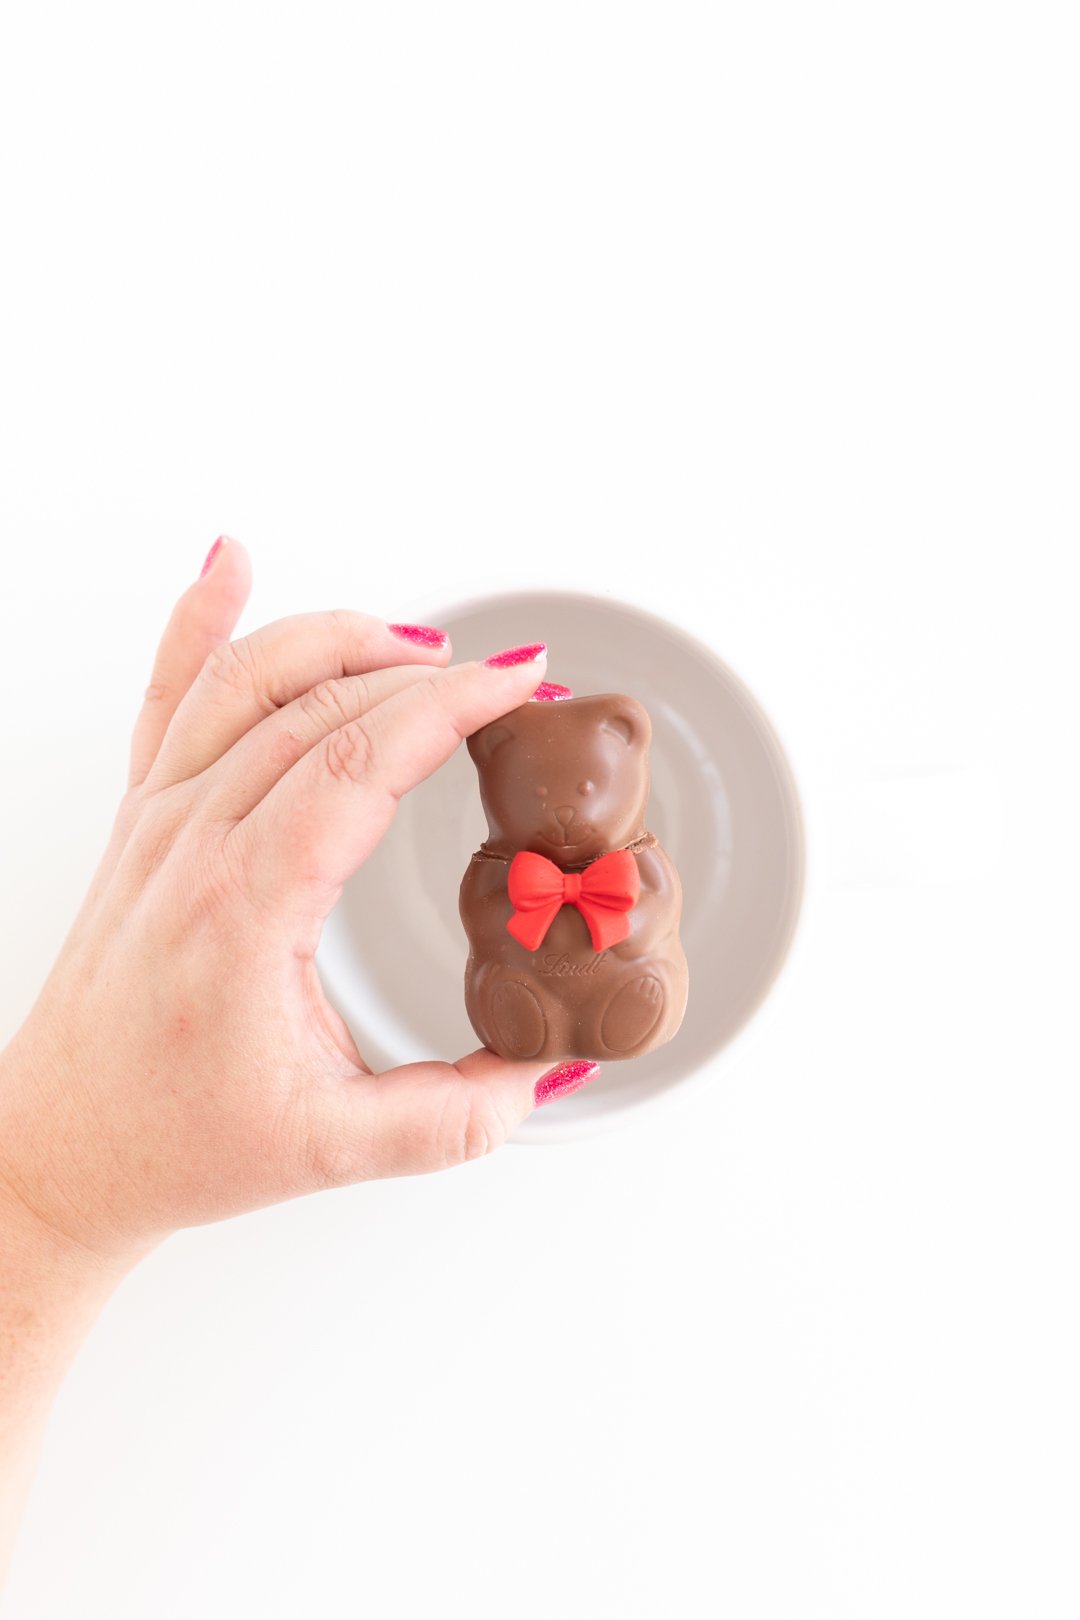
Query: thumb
{"x": 431, "y": 1116}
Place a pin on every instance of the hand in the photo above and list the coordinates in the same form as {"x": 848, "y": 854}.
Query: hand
{"x": 182, "y": 1062}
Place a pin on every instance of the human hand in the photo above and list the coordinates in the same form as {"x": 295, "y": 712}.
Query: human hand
{"x": 182, "y": 1062}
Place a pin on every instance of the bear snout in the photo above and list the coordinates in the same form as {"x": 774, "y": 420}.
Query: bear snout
{"x": 568, "y": 830}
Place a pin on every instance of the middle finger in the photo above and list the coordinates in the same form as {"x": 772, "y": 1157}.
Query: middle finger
{"x": 244, "y": 681}
{"x": 236, "y": 783}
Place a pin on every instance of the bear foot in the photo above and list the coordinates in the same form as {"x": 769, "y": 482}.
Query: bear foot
{"x": 518, "y": 1019}
{"x": 633, "y": 1014}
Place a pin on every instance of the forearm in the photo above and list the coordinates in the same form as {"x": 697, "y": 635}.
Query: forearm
{"x": 51, "y": 1289}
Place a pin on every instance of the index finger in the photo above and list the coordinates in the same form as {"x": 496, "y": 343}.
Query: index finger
{"x": 323, "y": 818}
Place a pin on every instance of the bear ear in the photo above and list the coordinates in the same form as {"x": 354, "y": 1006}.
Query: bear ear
{"x": 483, "y": 743}
{"x": 627, "y": 720}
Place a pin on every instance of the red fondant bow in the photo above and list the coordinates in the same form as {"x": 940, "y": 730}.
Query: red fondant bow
{"x": 603, "y": 893}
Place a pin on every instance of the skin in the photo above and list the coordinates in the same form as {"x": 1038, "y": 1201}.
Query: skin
{"x": 181, "y": 1063}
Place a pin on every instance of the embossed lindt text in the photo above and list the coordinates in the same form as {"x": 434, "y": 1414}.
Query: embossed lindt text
{"x": 559, "y": 965}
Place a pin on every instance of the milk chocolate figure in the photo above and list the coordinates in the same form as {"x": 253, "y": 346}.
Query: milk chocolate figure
{"x": 570, "y": 905}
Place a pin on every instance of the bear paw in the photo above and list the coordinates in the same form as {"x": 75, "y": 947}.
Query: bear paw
{"x": 518, "y": 1018}
{"x": 633, "y": 1013}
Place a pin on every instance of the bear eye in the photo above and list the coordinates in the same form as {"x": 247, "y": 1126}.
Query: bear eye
{"x": 541, "y": 793}
{"x": 585, "y": 787}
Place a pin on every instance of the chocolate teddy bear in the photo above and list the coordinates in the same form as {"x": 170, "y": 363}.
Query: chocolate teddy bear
{"x": 571, "y": 906}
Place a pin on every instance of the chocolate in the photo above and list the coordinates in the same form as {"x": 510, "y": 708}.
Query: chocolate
{"x": 570, "y": 905}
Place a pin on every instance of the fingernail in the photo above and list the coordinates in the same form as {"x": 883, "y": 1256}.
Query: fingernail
{"x": 550, "y": 692}
{"x": 562, "y": 1081}
{"x": 517, "y": 655}
{"x": 222, "y": 540}
{"x": 421, "y": 635}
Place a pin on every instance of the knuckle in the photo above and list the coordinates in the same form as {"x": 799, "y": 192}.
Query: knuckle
{"x": 211, "y": 885}
{"x": 331, "y": 704}
{"x": 156, "y": 692}
{"x": 230, "y": 666}
{"x": 130, "y": 810}
{"x": 434, "y": 693}
{"x": 348, "y": 623}
{"x": 349, "y": 753}
{"x": 236, "y": 668}
{"x": 154, "y": 824}
{"x": 472, "y": 1127}
{"x": 131, "y": 805}
{"x": 335, "y": 1158}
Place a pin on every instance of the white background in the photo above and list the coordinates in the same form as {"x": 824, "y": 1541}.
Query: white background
{"x": 764, "y": 316}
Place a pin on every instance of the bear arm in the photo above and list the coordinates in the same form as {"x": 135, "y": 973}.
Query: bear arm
{"x": 483, "y": 891}
{"x": 656, "y": 914}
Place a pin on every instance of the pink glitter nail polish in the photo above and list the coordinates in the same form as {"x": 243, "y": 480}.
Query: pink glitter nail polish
{"x": 550, "y": 692}
{"x": 421, "y": 635}
{"x": 517, "y": 655}
{"x": 222, "y": 540}
{"x": 562, "y": 1081}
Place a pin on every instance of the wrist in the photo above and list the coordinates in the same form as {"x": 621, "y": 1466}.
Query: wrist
{"x": 50, "y": 1226}
{"x": 52, "y": 1287}
{"x": 38, "y": 1256}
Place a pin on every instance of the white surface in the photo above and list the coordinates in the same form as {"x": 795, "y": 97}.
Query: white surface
{"x": 764, "y": 316}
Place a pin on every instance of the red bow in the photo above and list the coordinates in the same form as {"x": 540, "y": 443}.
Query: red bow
{"x": 603, "y": 893}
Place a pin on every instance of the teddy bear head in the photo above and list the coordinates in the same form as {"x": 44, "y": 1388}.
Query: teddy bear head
{"x": 568, "y": 780}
